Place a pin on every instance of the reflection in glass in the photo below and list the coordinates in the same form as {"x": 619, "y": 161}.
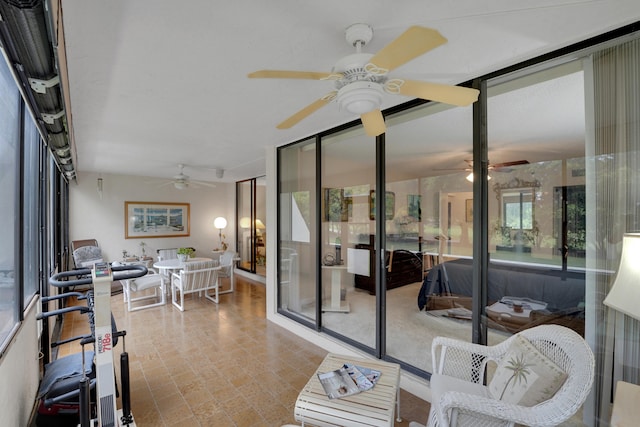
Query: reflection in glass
{"x": 347, "y": 177}
{"x": 297, "y": 257}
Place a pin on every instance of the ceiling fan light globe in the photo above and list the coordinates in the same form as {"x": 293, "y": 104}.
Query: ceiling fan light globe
{"x": 180, "y": 185}
{"x": 360, "y": 97}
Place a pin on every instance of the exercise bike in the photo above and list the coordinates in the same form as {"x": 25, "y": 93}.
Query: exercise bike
{"x": 81, "y": 388}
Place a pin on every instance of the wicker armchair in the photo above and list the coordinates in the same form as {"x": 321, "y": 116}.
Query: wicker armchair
{"x": 460, "y": 397}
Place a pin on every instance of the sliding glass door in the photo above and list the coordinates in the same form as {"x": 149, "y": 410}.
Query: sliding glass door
{"x": 297, "y": 237}
{"x": 427, "y": 149}
{"x": 250, "y": 220}
{"x": 347, "y": 235}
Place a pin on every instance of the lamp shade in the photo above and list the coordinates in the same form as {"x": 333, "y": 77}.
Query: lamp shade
{"x": 624, "y": 295}
{"x": 220, "y": 223}
{"x": 259, "y": 225}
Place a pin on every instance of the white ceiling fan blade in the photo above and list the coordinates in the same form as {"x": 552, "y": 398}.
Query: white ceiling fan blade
{"x": 307, "y": 111}
{"x": 409, "y": 45}
{"x": 373, "y": 123}
{"x": 285, "y": 74}
{"x": 448, "y": 94}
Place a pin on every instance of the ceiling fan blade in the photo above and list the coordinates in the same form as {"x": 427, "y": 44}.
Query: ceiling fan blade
{"x": 284, "y": 74}
{"x": 513, "y": 163}
{"x": 308, "y": 110}
{"x": 448, "y": 94}
{"x": 410, "y": 44}
{"x": 373, "y": 123}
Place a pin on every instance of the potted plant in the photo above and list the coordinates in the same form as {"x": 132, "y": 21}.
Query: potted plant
{"x": 184, "y": 253}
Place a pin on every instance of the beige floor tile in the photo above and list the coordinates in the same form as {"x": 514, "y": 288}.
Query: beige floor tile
{"x": 216, "y": 365}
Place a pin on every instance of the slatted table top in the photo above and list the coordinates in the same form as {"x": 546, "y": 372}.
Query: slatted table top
{"x": 375, "y": 407}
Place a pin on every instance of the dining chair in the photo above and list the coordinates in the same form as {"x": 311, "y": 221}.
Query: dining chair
{"x": 196, "y": 276}
{"x": 141, "y": 286}
{"x": 169, "y": 253}
{"x": 227, "y": 267}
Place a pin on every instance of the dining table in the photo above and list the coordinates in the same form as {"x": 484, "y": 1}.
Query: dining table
{"x": 168, "y": 266}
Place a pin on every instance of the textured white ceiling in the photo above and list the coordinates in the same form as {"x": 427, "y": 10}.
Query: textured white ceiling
{"x": 157, "y": 83}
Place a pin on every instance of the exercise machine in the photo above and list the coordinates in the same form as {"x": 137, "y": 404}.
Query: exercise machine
{"x": 100, "y": 377}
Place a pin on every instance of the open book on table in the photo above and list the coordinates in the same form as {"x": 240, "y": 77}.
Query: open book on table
{"x": 348, "y": 380}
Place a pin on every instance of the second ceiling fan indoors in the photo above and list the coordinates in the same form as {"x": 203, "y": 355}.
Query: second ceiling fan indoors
{"x": 361, "y": 78}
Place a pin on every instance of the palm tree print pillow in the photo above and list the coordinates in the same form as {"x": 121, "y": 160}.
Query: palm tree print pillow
{"x": 525, "y": 376}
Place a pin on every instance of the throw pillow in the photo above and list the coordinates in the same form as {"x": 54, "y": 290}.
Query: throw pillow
{"x": 525, "y": 376}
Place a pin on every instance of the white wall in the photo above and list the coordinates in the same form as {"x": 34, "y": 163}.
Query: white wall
{"x": 20, "y": 372}
{"x": 103, "y": 219}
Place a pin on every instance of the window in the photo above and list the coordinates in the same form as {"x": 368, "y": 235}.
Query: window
{"x": 9, "y": 168}
{"x": 517, "y": 207}
{"x": 31, "y": 197}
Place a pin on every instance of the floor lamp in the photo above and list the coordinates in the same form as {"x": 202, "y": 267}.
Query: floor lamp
{"x": 624, "y": 296}
{"x": 220, "y": 223}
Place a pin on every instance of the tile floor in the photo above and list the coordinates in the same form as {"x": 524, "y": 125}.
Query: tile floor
{"x": 216, "y": 365}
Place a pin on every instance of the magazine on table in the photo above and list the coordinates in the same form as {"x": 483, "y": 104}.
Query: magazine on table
{"x": 348, "y": 380}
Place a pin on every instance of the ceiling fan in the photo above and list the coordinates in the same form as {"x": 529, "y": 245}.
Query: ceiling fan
{"x": 495, "y": 167}
{"x": 498, "y": 167}
{"x": 182, "y": 181}
{"x": 361, "y": 78}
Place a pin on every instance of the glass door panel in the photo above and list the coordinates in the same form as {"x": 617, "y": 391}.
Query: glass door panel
{"x": 347, "y": 235}
{"x": 245, "y": 230}
{"x": 297, "y": 238}
{"x": 537, "y": 215}
{"x": 430, "y": 223}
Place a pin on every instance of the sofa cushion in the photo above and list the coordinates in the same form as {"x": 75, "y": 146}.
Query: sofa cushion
{"x": 525, "y": 376}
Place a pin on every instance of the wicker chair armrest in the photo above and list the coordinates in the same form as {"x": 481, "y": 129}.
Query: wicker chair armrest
{"x": 494, "y": 408}
{"x": 541, "y": 415}
{"x": 464, "y": 360}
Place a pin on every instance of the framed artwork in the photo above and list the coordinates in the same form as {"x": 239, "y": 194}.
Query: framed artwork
{"x": 337, "y": 208}
{"x": 155, "y": 219}
{"x": 414, "y": 209}
{"x": 468, "y": 210}
{"x": 390, "y": 205}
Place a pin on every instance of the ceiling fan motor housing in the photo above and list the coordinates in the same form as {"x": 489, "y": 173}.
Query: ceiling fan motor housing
{"x": 358, "y": 91}
{"x": 360, "y": 97}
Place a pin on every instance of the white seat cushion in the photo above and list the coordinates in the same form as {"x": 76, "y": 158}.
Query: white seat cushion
{"x": 440, "y": 384}
{"x": 145, "y": 282}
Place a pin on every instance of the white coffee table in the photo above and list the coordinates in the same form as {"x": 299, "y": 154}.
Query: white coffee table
{"x": 375, "y": 407}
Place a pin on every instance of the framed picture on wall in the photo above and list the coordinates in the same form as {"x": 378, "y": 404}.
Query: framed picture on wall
{"x": 390, "y": 205}
{"x": 468, "y": 210}
{"x": 155, "y": 219}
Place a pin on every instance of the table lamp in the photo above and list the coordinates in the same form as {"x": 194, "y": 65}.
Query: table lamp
{"x": 259, "y": 227}
{"x": 624, "y": 295}
{"x": 220, "y": 223}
